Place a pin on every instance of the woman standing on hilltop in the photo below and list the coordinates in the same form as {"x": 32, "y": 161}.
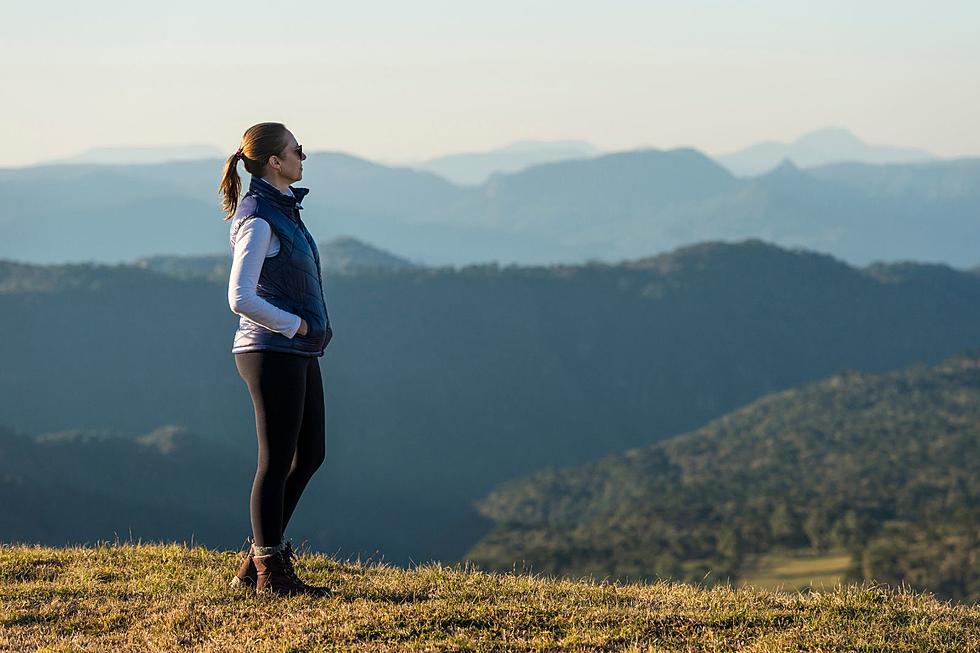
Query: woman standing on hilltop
{"x": 276, "y": 287}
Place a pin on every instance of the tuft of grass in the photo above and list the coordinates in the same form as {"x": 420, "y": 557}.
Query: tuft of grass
{"x": 167, "y": 597}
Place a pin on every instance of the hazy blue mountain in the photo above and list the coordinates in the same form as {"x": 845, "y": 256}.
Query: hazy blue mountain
{"x": 128, "y": 154}
{"x": 820, "y": 147}
{"x": 596, "y": 194}
{"x": 111, "y": 213}
{"x": 474, "y": 168}
{"x": 441, "y": 383}
{"x": 337, "y": 256}
{"x": 621, "y": 206}
{"x": 610, "y": 208}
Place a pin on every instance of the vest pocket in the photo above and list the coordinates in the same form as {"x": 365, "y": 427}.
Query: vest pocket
{"x": 314, "y": 326}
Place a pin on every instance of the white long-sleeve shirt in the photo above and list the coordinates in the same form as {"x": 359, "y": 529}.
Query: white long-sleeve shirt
{"x": 256, "y": 242}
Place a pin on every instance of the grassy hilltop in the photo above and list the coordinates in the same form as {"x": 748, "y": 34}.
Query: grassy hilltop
{"x": 166, "y": 597}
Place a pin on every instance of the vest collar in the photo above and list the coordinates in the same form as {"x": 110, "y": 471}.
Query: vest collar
{"x": 265, "y": 190}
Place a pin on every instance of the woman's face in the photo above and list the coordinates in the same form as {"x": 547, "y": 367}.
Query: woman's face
{"x": 291, "y": 160}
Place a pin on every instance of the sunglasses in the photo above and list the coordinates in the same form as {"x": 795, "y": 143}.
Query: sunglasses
{"x": 298, "y": 150}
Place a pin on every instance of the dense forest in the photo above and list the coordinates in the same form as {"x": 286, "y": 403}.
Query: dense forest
{"x": 442, "y": 383}
{"x": 884, "y": 466}
{"x": 79, "y": 486}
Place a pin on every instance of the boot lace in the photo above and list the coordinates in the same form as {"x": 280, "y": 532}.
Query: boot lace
{"x": 287, "y": 563}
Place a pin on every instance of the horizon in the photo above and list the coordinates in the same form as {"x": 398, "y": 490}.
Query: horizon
{"x": 409, "y": 162}
{"x": 392, "y": 83}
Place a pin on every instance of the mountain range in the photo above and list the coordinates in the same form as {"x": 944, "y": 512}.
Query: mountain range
{"x": 442, "y": 383}
{"x": 607, "y": 208}
{"x": 817, "y": 148}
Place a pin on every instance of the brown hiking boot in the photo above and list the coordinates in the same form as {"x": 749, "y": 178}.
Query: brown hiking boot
{"x": 247, "y": 575}
{"x": 289, "y": 555}
{"x": 276, "y": 575}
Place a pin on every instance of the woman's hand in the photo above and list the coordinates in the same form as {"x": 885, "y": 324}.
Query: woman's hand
{"x": 303, "y": 327}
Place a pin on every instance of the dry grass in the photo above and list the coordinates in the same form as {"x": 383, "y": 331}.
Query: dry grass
{"x": 167, "y": 597}
{"x": 797, "y": 570}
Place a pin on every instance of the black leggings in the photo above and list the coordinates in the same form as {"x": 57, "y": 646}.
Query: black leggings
{"x": 287, "y": 393}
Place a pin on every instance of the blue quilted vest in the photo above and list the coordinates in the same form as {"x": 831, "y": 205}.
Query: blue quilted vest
{"x": 290, "y": 280}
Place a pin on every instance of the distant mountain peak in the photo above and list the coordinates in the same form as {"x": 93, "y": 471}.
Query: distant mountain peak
{"x": 816, "y": 148}
{"x": 641, "y": 158}
{"x": 347, "y": 253}
{"x": 720, "y": 254}
{"x": 786, "y": 172}
{"x": 830, "y": 137}
{"x": 648, "y": 179}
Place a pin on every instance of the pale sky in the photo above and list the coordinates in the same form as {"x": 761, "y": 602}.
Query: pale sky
{"x": 396, "y": 81}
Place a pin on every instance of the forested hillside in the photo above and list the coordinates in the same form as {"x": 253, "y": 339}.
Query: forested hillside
{"x": 80, "y": 486}
{"x": 442, "y": 383}
{"x": 882, "y": 465}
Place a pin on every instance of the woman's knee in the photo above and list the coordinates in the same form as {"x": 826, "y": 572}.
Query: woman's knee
{"x": 309, "y": 461}
{"x": 271, "y": 477}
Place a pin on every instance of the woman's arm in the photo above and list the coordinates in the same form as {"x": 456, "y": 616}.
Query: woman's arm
{"x": 251, "y": 247}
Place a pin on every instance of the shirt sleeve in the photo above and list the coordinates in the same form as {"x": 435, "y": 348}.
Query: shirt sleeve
{"x": 251, "y": 247}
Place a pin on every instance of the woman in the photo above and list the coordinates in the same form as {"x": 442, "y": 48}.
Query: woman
{"x": 276, "y": 287}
